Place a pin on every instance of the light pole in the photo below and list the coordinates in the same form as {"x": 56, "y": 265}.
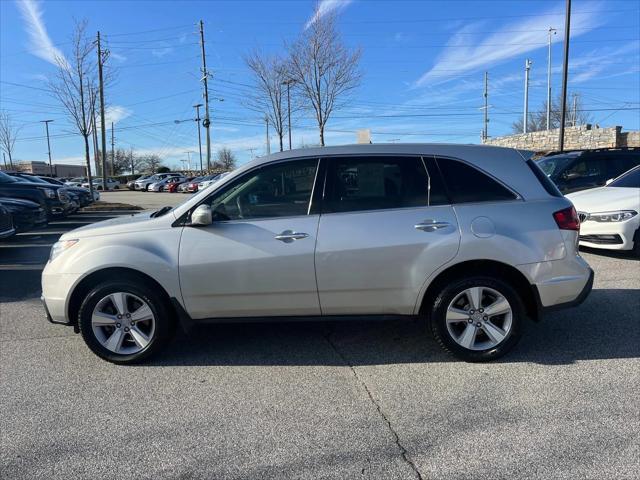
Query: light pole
{"x": 189, "y": 152}
{"x": 552, "y": 31}
{"x": 46, "y": 126}
{"x": 288, "y": 83}
{"x": 197, "y": 107}
{"x": 527, "y": 67}
{"x": 565, "y": 73}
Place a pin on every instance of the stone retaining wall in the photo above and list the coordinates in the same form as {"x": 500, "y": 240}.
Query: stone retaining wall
{"x": 580, "y": 137}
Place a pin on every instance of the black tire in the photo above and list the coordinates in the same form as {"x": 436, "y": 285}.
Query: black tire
{"x": 447, "y": 294}
{"x": 158, "y": 304}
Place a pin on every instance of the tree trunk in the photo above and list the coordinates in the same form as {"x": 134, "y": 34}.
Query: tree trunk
{"x": 322, "y": 135}
{"x": 87, "y": 156}
{"x": 10, "y": 159}
{"x": 280, "y": 135}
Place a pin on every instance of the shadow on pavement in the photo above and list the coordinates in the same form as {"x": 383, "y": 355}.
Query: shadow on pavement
{"x": 19, "y": 284}
{"x": 621, "y": 254}
{"x": 606, "y": 326}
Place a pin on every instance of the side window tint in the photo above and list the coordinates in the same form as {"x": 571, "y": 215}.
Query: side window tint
{"x": 467, "y": 184}
{"x": 281, "y": 190}
{"x": 587, "y": 168}
{"x": 375, "y": 183}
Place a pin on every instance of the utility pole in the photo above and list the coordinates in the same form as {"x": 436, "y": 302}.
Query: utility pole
{"x": 102, "y": 121}
{"x": 131, "y": 158}
{"x": 46, "y": 126}
{"x": 266, "y": 121}
{"x": 205, "y": 74}
{"x": 485, "y": 131}
{"x": 552, "y": 31}
{"x": 527, "y": 67}
{"x": 565, "y": 72}
{"x": 197, "y": 107}
{"x": 574, "y": 119}
{"x": 94, "y": 134}
{"x": 113, "y": 151}
{"x": 288, "y": 83}
{"x": 4, "y": 158}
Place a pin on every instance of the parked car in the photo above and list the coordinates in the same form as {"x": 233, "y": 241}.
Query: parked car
{"x": 164, "y": 183}
{"x": 50, "y": 197}
{"x": 76, "y": 182}
{"x": 84, "y": 194}
{"x": 144, "y": 184}
{"x": 194, "y": 185}
{"x": 210, "y": 181}
{"x": 70, "y": 199}
{"x": 6, "y": 223}
{"x": 472, "y": 239}
{"x": 609, "y": 215}
{"x": 173, "y": 187}
{"x": 98, "y": 184}
{"x": 26, "y": 214}
{"x": 131, "y": 185}
{"x": 583, "y": 169}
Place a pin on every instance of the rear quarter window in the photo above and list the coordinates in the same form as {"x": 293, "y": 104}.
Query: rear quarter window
{"x": 545, "y": 181}
{"x": 467, "y": 184}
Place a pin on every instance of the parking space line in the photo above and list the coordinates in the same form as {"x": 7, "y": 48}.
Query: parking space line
{"x": 25, "y": 245}
{"x": 38, "y": 266}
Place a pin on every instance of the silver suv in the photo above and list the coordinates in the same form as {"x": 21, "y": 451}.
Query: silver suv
{"x": 472, "y": 239}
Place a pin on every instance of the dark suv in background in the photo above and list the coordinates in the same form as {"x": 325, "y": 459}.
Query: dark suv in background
{"x": 51, "y": 197}
{"x": 582, "y": 169}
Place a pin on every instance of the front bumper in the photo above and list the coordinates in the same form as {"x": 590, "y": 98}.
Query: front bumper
{"x": 609, "y": 235}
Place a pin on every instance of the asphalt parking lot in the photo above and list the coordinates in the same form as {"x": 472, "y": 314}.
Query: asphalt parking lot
{"x": 366, "y": 400}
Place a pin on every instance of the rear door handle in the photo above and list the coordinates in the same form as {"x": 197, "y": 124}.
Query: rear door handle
{"x": 431, "y": 226}
{"x": 289, "y": 236}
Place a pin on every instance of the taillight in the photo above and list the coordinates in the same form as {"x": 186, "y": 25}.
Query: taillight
{"x": 567, "y": 219}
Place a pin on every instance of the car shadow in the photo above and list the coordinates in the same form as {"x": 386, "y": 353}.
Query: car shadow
{"x": 605, "y": 326}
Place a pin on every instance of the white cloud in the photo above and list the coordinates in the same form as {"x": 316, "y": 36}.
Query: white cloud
{"x": 161, "y": 52}
{"x": 116, "y": 113}
{"x": 40, "y": 43}
{"x": 467, "y": 51}
{"x": 325, "y": 7}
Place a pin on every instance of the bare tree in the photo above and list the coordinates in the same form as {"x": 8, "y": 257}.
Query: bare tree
{"x": 324, "y": 69}
{"x": 8, "y": 133}
{"x": 150, "y": 162}
{"x": 226, "y": 159}
{"x": 537, "y": 120}
{"x": 270, "y": 74}
{"x": 75, "y": 85}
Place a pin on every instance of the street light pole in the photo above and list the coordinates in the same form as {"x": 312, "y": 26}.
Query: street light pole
{"x": 565, "y": 72}
{"x": 288, "y": 84}
{"x": 527, "y": 67}
{"x": 197, "y": 107}
{"x": 552, "y": 31}
{"x": 46, "y": 126}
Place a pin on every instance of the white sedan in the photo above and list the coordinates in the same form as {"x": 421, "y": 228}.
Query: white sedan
{"x": 97, "y": 184}
{"x": 609, "y": 215}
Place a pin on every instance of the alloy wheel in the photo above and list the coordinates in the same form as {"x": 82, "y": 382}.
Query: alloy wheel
{"x": 123, "y": 323}
{"x": 479, "y": 318}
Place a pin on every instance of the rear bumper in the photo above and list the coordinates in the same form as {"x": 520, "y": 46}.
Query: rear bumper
{"x": 584, "y": 293}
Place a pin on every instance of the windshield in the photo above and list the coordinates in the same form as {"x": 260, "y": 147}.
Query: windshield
{"x": 631, "y": 179}
{"x": 4, "y": 178}
{"x": 552, "y": 166}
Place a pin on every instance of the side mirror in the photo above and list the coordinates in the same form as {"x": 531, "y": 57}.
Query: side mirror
{"x": 608, "y": 181}
{"x": 201, "y": 216}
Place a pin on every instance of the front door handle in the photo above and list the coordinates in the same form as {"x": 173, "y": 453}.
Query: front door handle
{"x": 289, "y": 236}
{"x": 431, "y": 225}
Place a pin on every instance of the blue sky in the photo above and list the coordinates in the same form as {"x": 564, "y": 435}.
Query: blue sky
{"x": 422, "y": 64}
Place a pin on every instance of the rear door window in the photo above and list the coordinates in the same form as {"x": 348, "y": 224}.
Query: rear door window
{"x": 467, "y": 184}
{"x": 376, "y": 183}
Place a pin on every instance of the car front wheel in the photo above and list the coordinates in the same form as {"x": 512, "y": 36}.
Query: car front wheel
{"x": 124, "y": 322}
{"x": 477, "y": 319}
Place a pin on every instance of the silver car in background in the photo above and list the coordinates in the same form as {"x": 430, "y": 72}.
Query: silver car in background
{"x": 472, "y": 240}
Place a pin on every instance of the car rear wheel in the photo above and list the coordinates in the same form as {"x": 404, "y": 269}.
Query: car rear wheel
{"x": 477, "y": 319}
{"x": 124, "y": 322}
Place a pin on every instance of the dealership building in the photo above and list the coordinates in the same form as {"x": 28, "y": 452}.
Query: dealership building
{"x": 42, "y": 168}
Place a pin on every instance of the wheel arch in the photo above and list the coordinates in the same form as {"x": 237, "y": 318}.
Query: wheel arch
{"x": 484, "y": 267}
{"x": 111, "y": 273}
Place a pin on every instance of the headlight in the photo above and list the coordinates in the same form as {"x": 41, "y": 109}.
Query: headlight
{"x": 617, "y": 216}
{"x": 60, "y": 247}
{"x": 49, "y": 192}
